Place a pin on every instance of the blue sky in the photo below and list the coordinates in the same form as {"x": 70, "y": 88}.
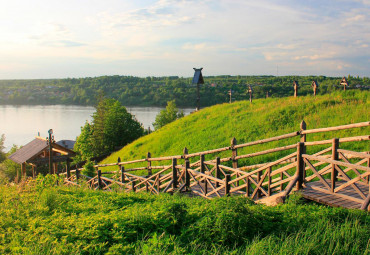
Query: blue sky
{"x": 71, "y": 38}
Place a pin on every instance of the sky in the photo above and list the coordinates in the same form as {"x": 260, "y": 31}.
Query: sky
{"x": 88, "y": 38}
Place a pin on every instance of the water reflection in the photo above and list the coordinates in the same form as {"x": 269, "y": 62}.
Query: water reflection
{"x": 20, "y": 124}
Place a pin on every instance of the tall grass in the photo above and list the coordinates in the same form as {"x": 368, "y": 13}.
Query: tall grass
{"x": 62, "y": 220}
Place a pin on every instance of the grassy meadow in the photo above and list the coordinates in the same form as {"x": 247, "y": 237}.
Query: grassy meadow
{"x": 215, "y": 126}
{"x": 41, "y": 218}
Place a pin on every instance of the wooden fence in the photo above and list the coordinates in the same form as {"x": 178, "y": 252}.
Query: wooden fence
{"x": 225, "y": 176}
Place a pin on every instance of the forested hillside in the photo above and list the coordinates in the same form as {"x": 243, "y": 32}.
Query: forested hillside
{"x": 156, "y": 91}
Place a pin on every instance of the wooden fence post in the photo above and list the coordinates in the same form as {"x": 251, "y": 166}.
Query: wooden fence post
{"x": 100, "y": 184}
{"x": 218, "y": 172}
{"x": 133, "y": 186}
{"x": 368, "y": 177}
{"x": 281, "y": 178}
{"x": 159, "y": 183}
{"x": 227, "y": 184}
{"x": 300, "y": 164}
{"x": 186, "y": 166}
{"x": 269, "y": 181}
{"x": 187, "y": 175}
{"x": 303, "y": 127}
{"x": 202, "y": 170}
{"x": 148, "y": 156}
{"x": 234, "y": 153}
{"x": 334, "y": 156}
{"x": 123, "y": 179}
{"x": 174, "y": 174}
{"x": 68, "y": 166}
{"x": 259, "y": 193}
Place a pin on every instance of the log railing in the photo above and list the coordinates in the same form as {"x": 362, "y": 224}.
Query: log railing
{"x": 224, "y": 176}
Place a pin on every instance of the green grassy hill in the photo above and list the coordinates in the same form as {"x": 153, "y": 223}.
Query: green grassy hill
{"x": 215, "y": 126}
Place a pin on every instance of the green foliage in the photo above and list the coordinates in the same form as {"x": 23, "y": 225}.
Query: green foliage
{"x": 2, "y": 147}
{"x": 89, "y": 169}
{"x": 112, "y": 127}
{"x": 168, "y": 115}
{"x": 156, "y": 91}
{"x": 8, "y": 168}
{"x": 69, "y": 220}
{"x": 84, "y": 143}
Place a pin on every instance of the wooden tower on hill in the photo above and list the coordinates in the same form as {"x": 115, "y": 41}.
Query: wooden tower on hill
{"x": 295, "y": 86}
{"x": 344, "y": 83}
{"x": 198, "y": 79}
{"x": 314, "y": 86}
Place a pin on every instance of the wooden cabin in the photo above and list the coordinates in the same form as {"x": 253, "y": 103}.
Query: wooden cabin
{"x": 36, "y": 153}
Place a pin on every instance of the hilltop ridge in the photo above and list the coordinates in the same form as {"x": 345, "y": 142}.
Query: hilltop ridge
{"x": 214, "y": 127}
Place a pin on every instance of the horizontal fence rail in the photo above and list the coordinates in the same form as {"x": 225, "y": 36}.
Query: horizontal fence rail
{"x": 333, "y": 169}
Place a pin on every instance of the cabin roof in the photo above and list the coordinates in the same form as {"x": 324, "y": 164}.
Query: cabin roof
{"x": 34, "y": 148}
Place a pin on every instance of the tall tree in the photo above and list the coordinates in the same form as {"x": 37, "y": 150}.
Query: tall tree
{"x": 171, "y": 113}
{"x": 112, "y": 127}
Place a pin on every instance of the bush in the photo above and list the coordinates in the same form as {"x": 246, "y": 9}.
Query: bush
{"x": 89, "y": 169}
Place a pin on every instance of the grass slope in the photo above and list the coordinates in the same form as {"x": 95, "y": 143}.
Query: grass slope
{"x": 215, "y": 126}
{"x": 44, "y": 219}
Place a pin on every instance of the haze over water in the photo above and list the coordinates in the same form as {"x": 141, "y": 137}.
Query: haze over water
{"x": 21, "y": 124}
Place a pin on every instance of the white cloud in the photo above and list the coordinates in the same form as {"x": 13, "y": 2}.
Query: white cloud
{"x": 252, "y": 37}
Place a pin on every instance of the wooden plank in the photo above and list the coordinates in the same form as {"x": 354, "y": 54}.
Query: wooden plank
{"x": 319, "y": 130}
{"x": 323, "y": 181}
{"x": 200, "y": 194}
{"x": 355, "y": 170}
{"x": 338, "y": 194}
{"x": 207, "y": 152}
{"x": 323, "y": 171}
{"x": 283, "y": 169}
{"x": 276, "y": 138}
{"x": 355, "y": 153}
{"x": 353, "y": 184}
{"x": 205, "y": 176}
{"x": 331, "y": 199}
{"x": 341, "y": 140}
{"x": 336, "y": 162}
{"x": 288, "y": 147}
{"x": 350, "y": 182}
{"x": 263, "y": 167}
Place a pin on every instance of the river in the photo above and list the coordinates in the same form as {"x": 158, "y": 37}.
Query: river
{"x": 21, "y": 124}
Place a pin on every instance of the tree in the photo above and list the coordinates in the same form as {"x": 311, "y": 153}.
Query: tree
{"x": 8, "y": 168}
{"x": 171, "y": 113}
{"x": 2, "y": 153}
{"x": 84, "y": 143}
{"x": 112, "y": 127}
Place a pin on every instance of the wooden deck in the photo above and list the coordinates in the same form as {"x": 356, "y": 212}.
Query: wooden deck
{"x": 207, "y": 175}
{"x": 347, "y": 198}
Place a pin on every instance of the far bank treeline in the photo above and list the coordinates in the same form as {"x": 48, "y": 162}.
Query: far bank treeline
{"x": 157, "y": 91}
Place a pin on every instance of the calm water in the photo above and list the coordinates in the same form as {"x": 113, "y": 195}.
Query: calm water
{"x": 21, "y": 124}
